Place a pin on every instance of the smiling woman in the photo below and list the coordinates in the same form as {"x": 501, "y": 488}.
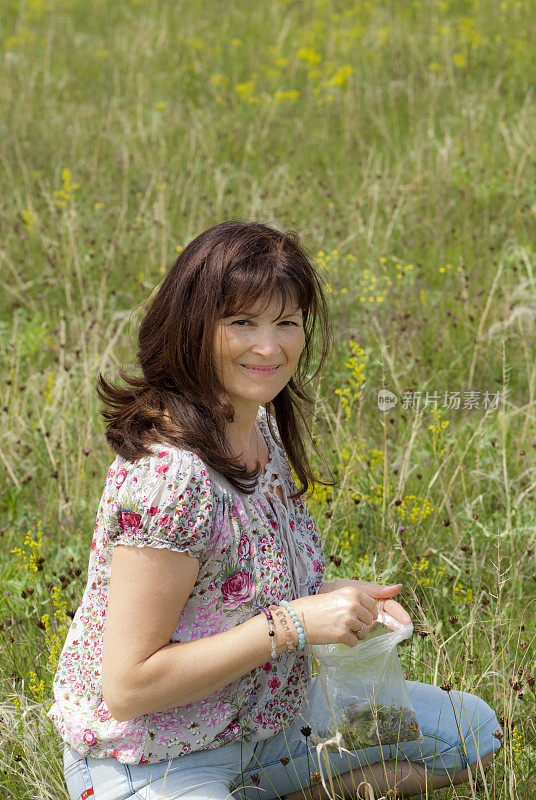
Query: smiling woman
{"x": 189, "y": 660}
{"x": 239, "y": 296}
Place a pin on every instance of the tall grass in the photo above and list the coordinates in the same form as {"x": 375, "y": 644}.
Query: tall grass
{"x": 397, "y": 139}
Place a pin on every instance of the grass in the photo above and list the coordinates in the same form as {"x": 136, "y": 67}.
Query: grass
{"x": 397, "y": 139}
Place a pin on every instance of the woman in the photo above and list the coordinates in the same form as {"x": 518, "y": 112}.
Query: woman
{"x": 187, "y": 661}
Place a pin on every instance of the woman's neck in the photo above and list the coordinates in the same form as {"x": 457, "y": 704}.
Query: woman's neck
{"x": 246, "y": 440}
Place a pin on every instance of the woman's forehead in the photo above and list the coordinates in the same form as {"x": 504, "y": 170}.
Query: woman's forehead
{"x": 280, "y": 303}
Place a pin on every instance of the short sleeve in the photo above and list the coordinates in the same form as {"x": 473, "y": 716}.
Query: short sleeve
{"x": 162, "y": 500}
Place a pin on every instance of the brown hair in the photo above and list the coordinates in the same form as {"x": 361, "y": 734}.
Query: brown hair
{"x": 178, "y": 399}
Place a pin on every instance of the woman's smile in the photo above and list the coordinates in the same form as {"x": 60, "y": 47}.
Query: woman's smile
{"x": 260, "y": 370}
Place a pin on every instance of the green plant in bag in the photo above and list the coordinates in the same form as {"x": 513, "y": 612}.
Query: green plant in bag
{"x": 366, "y": 725}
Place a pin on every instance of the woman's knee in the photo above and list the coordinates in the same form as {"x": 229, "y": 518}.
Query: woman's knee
{"x": 459, "y": 728}
{"x": 479, "y": 730}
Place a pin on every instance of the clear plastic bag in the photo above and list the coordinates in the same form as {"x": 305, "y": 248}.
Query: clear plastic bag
{"x": 367, "y": 699}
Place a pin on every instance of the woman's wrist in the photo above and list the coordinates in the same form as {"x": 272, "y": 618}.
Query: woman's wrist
{"x": 290, "y": 634}
{"x": 287, "y": 627}
{"x": 281, "y": 637}
{"x": 296, "y": 621}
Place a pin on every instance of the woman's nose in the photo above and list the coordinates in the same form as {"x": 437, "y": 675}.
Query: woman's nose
{"x": 266, "y": 341}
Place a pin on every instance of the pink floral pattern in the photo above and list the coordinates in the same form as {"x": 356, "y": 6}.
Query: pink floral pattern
{"x": 172, "y": 500}
{"x": 237, "y": 588}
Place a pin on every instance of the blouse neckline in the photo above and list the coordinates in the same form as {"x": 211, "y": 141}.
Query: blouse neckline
{"x": 270, "y": 466}
{"x": 271, "y": 479}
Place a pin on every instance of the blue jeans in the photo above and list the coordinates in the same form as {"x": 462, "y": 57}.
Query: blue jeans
{"x": 457, "y": 728}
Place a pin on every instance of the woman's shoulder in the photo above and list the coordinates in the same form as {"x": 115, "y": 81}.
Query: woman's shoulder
{"x": 164, "y": 462}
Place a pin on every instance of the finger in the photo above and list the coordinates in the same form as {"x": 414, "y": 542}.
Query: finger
{"x": 378, "y": 592}
{"x": 369, "y": 604}
{"x": 359, "y": 629}
{"x": 365, "y": 616}
{"x": 395, "y": 610}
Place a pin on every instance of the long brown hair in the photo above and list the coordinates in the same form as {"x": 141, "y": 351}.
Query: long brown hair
{"x": 178, "y": 399}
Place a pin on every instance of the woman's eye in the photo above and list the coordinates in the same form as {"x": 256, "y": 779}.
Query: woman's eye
{"x": 242, "y": 322}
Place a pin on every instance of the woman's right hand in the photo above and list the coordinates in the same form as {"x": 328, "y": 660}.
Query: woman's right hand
{"x": 343, "y": 615}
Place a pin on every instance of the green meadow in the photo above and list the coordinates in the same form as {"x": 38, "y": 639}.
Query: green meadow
{"x": 397, "y": 139}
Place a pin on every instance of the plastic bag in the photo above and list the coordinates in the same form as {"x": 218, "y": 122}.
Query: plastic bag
{"x": 367, "y": 699}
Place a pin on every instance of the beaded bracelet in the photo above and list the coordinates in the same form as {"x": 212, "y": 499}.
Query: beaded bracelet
{"x": 296, "y": 621}
{"x": 271, "y": 634}
{"x": 278, "y": 611}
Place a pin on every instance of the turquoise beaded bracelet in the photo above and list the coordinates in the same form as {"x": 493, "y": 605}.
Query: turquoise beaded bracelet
{"x": 296, "y": 621}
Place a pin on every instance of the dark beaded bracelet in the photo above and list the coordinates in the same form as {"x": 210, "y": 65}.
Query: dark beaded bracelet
{"x": 271, "y": 633}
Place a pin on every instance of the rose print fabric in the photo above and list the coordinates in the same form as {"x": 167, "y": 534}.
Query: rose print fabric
{"x": 253, "y": 550}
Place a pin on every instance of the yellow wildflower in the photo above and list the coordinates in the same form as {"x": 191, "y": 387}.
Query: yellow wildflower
{"x": 245, "y": 89}
{"x": 309, "y": 55}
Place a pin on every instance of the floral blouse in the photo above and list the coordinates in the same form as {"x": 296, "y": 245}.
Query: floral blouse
{"x": 253, "y": 550}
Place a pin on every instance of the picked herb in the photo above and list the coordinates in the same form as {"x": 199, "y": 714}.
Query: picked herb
{"x": 364, "y": 725}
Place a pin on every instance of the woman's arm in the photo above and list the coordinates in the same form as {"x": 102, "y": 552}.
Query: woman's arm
{"x": 142, "y": 672}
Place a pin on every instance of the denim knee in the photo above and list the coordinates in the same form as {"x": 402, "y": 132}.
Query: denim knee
{"x": 457, "y": 729}
{"x": 478, "y": 723}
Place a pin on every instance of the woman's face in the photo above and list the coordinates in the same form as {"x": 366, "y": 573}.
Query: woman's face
{"x": 256, "y": 354}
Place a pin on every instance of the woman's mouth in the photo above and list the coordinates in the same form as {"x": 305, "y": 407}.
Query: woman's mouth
{"x": 261, "y": 370}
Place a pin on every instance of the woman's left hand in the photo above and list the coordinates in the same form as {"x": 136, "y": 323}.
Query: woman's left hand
{"x": 384, "y": 593}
